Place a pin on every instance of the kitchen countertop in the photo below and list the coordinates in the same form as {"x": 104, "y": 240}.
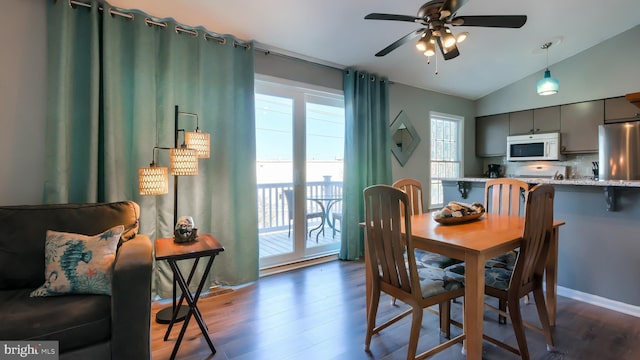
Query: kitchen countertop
{"x": 580, "y": 182}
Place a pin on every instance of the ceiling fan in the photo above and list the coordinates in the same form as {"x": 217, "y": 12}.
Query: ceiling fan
{"x": 436, "y": 16}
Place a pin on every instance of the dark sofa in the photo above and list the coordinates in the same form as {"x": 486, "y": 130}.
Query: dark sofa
{"x": 86, "y": 326}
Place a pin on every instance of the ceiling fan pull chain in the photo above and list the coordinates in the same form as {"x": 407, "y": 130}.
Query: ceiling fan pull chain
{"x": 436, "y": 56}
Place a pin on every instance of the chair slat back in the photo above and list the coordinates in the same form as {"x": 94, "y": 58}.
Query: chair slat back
{"x": 288, "y": 195}
{"x": 413, "y": 188}
{"x": 502, "y": 196}
{"x": 386, "y": 244}
{"x": 536, "y": 234}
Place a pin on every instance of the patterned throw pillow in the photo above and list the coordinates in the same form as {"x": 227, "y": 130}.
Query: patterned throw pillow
{"x": 79, "y": 264}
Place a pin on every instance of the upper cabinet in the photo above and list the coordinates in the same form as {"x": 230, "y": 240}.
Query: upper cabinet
{"x": 521, "y": 122}
{"x": 491, "y": 135}
{"x": 546, "y": 119}
{"x": 619, "y": 109}
{"x": 535, "y": 121}
{"x": 577, "y": 123}
{"x": 579, "y": 126}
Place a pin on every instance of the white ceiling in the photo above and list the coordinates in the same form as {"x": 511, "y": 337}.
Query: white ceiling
{"x": 334, "y": 32}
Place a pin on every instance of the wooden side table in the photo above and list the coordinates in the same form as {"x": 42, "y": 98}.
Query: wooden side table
{"x": 172, "y": 252}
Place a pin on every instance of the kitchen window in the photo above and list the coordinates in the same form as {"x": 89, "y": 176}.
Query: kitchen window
{"x": 446, "y": 153}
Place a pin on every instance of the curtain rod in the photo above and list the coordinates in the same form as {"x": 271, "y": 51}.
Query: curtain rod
{"x": 270, "y": 52}
{"x": 291, "y": 57}
{"x": 178, "y": 29}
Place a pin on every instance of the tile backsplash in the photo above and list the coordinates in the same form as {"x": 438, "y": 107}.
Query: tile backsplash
{"x": 578, "y": 165}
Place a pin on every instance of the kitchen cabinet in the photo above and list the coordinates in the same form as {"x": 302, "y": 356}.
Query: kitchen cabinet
{"x": 491, "y": 135}
{"x": 546, "y": 119}
{"x": 540, "y": 120}
{"x": 619, "y": 109}
{"x": 579, "y": 126}
{"x": 521, "y": 122}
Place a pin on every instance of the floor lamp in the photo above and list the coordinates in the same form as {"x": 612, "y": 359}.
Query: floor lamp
{"x": 154, "y": 180}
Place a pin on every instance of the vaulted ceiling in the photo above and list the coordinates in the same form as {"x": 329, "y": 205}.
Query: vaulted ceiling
{"x": 334, "y": 32}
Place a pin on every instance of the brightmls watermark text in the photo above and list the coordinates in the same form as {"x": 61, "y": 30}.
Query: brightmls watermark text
{"x": 32, "y": 349}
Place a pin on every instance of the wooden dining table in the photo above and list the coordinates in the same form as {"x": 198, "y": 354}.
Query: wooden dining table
{"x": 475, "y": 242}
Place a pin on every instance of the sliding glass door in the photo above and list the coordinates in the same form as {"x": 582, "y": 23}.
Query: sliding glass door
{"x": 299, "y": 142}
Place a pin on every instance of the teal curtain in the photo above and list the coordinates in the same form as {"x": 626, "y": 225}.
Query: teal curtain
{"x": 367, "y": 158}
{"x": 113, "y": 86}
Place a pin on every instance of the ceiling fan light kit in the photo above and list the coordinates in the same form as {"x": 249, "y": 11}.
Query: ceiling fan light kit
{"x": 548, "y": 85}
{"x": 422, "y": 44}
{"x": 435, "y": 17}
{"x": 448, "y": 40}
{"x": 461, "y": 37}
{"x": 430, "y": 50}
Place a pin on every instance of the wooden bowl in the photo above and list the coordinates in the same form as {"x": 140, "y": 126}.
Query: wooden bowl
{"x": 458, "y": 220}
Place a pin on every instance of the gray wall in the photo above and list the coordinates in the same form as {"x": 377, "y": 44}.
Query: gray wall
{"x": 416, "y": 104}
{"x": 599, "y": 251}
{"x": 606, "y": 70}
{"x": 22, "y": 101}
{"x": 286, "y": 67}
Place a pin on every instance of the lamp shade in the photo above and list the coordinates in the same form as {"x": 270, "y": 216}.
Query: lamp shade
{"x": 548, "y": 85}
{"x": 199, "y": 141}
{"x": 183, "y": 161}
{"x": 153, "y": 180}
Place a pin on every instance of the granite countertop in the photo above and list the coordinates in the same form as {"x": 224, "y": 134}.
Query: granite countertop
{"x": 582, "y": 182}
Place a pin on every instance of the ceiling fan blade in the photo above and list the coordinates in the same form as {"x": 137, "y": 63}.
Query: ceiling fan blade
{"x": 501, "y": 21}
{"x": 378, "y": 16}
{"x": 400, "y": 42}
{"x": 452, "y": 5}
{"x": 452, "y": 53}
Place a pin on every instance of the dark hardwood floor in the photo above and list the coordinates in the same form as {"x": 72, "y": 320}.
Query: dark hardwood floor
{"x": 319, "y": 313}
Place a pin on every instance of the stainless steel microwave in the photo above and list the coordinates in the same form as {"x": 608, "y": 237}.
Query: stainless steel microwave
{"x": 533, "y": 147}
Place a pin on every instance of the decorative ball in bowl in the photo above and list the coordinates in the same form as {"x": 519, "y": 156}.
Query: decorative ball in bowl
{"x": 457, "y": 212}
{"x": 185, "y": 230}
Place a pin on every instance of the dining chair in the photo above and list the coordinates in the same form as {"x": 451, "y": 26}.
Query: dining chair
{"x": 509, "y": 285}
{"x": 309, "y": 215}
{"x": 398, "y": 276}
{"x": 505, "y": 196}
{"x": 527, "y": 275}
{"x": 413, "y": 188}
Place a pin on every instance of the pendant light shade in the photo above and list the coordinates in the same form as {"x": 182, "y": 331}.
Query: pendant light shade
{"x": 153, "y": 180}
{"x": 183, "y": 161}
{"x": 548, "y": 85}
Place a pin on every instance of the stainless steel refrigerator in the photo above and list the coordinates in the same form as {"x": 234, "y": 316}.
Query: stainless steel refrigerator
{"x": 619, "y": 151}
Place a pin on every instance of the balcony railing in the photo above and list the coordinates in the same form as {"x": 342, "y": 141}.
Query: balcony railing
{"x": 273, "y": 213}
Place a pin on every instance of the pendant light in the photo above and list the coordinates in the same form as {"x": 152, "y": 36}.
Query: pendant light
{"x": 547, "y": 85}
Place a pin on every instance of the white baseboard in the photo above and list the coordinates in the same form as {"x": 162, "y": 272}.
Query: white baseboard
{"x": 297, "y": 264}
{"x": 600, "y": 301}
